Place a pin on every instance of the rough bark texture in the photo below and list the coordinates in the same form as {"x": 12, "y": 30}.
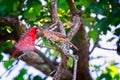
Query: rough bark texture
{"x": 81, "y": 43}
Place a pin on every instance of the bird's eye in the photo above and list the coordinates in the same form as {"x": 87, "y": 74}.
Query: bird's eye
{"x": 36, "y": 30}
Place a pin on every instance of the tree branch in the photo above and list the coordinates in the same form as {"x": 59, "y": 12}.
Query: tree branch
{"x": 65, "y": 48}
{"x": 64, "y": 57}
{"x": 47, "y": 60}
{"x": 98, "y": 46}
{"x": 55, "y": 17}
{"x": 81, "y": 43}
{"x": 94, "y": 46}
{"x": 72, "y": 6}
{"x": 106, "y": 48}
{"x": 39, "y": 61}
{"x": 75, "y": 19}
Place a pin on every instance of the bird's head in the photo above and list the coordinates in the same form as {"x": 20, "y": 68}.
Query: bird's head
{"x": 34, "y": 29}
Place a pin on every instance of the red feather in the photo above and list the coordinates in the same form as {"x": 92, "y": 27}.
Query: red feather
{"x": 26, "y": 42}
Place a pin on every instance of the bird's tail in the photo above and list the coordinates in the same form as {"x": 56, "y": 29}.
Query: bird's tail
{"x": 14, "y": 53}
{"x": 72, "y": 45}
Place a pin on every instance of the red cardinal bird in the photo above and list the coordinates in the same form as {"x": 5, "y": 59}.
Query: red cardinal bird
{"x": 26, "y": 42}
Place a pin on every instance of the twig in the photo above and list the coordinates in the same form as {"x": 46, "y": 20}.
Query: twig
{"x": 64, "y": 57}
{"x": 45, "y": 46}
{"x": 75, "y": 57}
{"x": 58, "y": 73}
{"x": 47, "y": 60}
{"x": 52, "y": 26}
{"x": 9, "y": 68}
{"x": 38, "y": 41}
{"x": 41, "y": 17}
{"x": 94, "y": 46}
{"x": 98, "y": 46}
{"x": 15, "y": 66}
{"x": 106, "y": 48}
{"x": 7, "y": 60}
{"x": 63, "y": 65}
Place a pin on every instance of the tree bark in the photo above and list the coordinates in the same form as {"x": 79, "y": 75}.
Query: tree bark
{"x": 81, "y": 43}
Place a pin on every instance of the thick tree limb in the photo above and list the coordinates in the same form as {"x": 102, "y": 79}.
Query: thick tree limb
{"x": 63, "y": 45}
{"x": 75, "y": 27}
{"x": 37, "y": 57}
{"x": 75, "y": 19}
{"x": 81, "y": 41}
{"x": 72, "y": 6}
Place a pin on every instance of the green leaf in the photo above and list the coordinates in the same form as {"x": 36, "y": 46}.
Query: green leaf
{"x": 9, "y": 7}
{"x": 6, "y": 44}
{"x": 70, "y": 62}
{"x": 93, "y": 34}
{"x": 110, "y": 73}
{"x": 1, "y": 1}
{"x": 46, "y": 42}
{"x": 8, "y": 64}
{"x": 29, "y": 14}
{"x": 104, "y": 76}
{"x": 113, "y": 70}
{"x": 117, "y": 31}
{"x": 2, "y": 10}
{"x": 1, "y": 56}
{"x": 37, "y": 78}
{"x": 102, "y": 25}
{"x": 21, "y": 75}
{"x": 8, "y": 29}
{"x": 54, "y": 54}
{"x": 67, "y": 30}
{"x": 111, "y": 39}
{"x": 63, "y": 5}
{"x": 33, "y": 10}
{"x": 83, "y": 3}
{"x": 117, "y": 77}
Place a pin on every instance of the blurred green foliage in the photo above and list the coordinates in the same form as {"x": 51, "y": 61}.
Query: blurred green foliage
{"x": 21, "y": 75}
{"x": 4, "y": 45}
{"x": 110, "y": 73}
{"x": 35, "y": 13}
{"x": 106, "y": 14}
